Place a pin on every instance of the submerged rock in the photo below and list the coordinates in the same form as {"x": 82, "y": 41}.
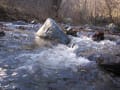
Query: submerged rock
{"x": 112, "y": 28}
{"x": 118, "y": 42}
{"x": 2, "y": 33}
{"x": 72, "y": 32}
{"x": 51, "y": 31}
{"x": 34, "y": 22}
{"x": 105, "y": 59}
{"x": 113, "y": 68}
{"x": 29, "y": 67}
{"x": 108, "y": 62}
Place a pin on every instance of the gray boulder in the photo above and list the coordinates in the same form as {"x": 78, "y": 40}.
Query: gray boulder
{"x": 113, "y": 28}
{"x": 51, "y": 31}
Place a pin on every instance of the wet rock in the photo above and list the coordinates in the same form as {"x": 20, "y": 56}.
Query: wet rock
{"x": 68, "y": 20}
{"x": 51, "y": 31}
{"x": 110, "y": 60}
{"x": 107, "y": 62}
{"x": 118, "y": 42}
{"x": 112, "y": 37}
{"x": 110, "y": 63}
{"x": 113, "y": 68}
{"x": 98, "y": 36}
{"x": 2, "y": 33}
{"x": 69, "y": 30}
{"x": 112, "y": 28}
{"x": 72, "y": 32}
{"x": 34, "y": 22}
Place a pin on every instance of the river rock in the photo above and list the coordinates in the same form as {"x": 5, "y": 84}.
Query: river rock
{"x": 105, "y": 59}
{"x": 2, "y": 33}
{"x": 112, "y": 28}
{"x": 112, "y": 65}
{"x": 52, "y": 31}
{"x": 118, "y": 42}
{"x": 108, "y": 62}
{"x": 34, "y": 22}
{"x": 72, "y": 32}
{"x": 112, "y": 68}
{"x": 98, "y": 36}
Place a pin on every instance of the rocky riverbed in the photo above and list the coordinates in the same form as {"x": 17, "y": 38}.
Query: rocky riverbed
{"x": 83, "y": 64}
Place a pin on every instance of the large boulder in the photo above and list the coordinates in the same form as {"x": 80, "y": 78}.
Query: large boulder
{"x": 51, "y": 31}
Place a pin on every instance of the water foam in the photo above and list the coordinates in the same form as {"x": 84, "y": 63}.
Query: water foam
{"x": 59, "y": 57}
{"x": 86, "y": 43}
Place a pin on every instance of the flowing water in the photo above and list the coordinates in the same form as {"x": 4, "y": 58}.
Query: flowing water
{"x": 28, "y": 64}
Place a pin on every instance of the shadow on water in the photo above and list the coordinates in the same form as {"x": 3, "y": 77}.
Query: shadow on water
{"x": 115, "y": 69}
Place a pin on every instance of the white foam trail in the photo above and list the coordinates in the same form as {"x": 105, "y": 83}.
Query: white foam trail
{"x": 85, "y": 43}
{"x": 59, "y": 57}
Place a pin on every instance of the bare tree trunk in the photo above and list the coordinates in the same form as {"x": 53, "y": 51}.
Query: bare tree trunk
{"x": 109, "y": 9}
{"x": 56, "y": 7}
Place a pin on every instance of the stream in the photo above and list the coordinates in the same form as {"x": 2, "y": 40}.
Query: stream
{"x": 28, "y": 64}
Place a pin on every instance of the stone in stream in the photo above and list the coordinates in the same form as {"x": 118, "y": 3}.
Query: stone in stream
{"x": 2, "y": 33}
{"x": 69, "y": 30}
{"x": 72, "y": 32}
{"x": 110, "y": 63}
{"x": 98, "y": 36}
{"x": 52, "y": 31}
{"x": 34, "y": 22}
{"x": 112, "y": 28}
